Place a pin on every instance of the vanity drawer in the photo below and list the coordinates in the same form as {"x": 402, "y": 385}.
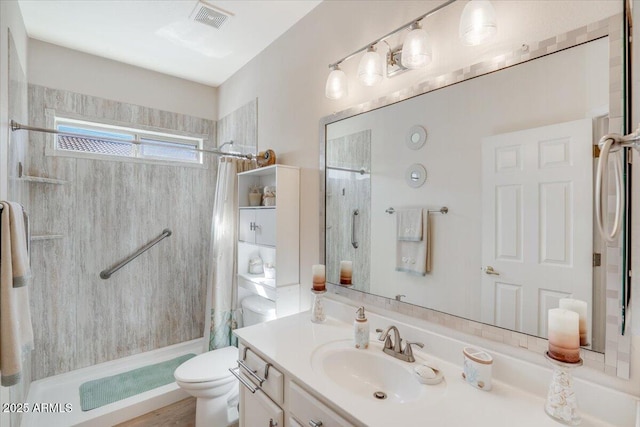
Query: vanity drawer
{"x": 273, "y": 384}
{"x": 307, "y": 409}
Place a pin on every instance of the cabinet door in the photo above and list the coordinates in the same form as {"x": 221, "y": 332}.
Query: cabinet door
{"x": 257, "y": 410}
{"x": 310, "y": 411}
{"x": 266, "y": 227}
{"x": 245, "y": 220}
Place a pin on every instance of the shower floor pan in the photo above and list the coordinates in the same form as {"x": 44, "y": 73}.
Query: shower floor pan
{"x": 63, "y": 390}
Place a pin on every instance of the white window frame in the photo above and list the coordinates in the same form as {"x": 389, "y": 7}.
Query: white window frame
{"x": 137, "y": 134}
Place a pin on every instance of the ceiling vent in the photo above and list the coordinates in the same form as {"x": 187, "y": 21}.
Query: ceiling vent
{"x": 210, "y": 15}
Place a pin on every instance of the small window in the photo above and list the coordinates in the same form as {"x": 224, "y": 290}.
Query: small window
{"x": 106, "y": 140}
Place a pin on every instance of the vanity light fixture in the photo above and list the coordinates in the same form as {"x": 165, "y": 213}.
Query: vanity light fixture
{"x": 477, "y": 24}
{"x": 370, "y": 70}
{"x": 336, "y": 87}
{"x": 416, "y": 49}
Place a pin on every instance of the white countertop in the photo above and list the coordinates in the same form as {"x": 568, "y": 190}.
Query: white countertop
{"x": 291, "y": 341}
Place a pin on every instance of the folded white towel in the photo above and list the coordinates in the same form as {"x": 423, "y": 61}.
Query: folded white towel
{"x": 409, "y": 225}
{"x": 16, "y": 332}
{"x": 415, "y": 257}
{"x": 19, "y": 245}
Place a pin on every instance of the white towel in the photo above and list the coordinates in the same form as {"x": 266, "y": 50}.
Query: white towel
{"x": 415, "y": 257}
{"x": 16, "y": 332}
{"x": 409, "y": 225}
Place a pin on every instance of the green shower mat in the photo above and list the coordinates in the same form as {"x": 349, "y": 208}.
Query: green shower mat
{"x": 97, "y": 393}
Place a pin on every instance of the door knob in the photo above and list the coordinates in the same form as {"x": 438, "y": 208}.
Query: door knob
{"x": 489, "y": 270}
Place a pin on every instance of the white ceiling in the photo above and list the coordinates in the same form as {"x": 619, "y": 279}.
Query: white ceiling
{"x": 159, "y": 34}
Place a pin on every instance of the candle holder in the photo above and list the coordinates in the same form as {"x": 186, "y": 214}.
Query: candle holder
{"x": 561, "y": 404}
{"x": 317, "y": 309}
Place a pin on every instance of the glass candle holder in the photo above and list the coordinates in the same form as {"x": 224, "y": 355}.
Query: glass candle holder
{"x": 317, "y": 308}
{"x": 561, "y": 404}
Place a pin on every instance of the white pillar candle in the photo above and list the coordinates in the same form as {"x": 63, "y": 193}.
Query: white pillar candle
{"x": 319, "y": 277}
{"x": 346, "y": 272}
{"x": 564, "y": 335}
{"x": 579, "y": 307}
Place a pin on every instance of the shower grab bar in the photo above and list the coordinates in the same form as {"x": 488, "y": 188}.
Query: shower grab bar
{"x": 105, "y": 274}
{"x": 361, "y": 171}
{"x": 354, "y": 242}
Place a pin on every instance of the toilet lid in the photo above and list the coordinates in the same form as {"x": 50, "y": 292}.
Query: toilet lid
{"x": 210, "y": 366}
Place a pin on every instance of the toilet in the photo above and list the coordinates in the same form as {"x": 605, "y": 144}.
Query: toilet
{"x": 207, "y": 376}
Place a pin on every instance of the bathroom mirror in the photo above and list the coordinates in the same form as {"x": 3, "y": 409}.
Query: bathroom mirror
{"x": 510, "y": 153}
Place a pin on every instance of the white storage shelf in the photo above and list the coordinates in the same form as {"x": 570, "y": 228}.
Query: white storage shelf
{"x": 272, "y": 233}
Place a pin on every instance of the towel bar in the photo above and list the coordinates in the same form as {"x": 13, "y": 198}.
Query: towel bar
{"x": 443, "y": 210}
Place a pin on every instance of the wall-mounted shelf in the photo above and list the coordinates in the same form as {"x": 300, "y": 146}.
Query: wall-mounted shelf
{"x": 42, "y": 237}
{"x": 42, "y": 180}
{"x": 38, "y": 179}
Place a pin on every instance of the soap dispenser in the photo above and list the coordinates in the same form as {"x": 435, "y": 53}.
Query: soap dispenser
{"x": 361, "y": 330}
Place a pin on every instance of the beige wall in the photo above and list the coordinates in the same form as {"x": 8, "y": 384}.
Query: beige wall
{"x": 66, "y": 69}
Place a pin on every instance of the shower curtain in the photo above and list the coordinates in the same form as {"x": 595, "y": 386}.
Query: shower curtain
{"x": 221, "y": 282}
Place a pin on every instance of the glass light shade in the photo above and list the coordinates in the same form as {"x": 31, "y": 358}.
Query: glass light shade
{"x": 478, "y": 22}
{"x": 336, "y": 87}
{"x": 370, "y": 68}
{"x": 416, "y": 49}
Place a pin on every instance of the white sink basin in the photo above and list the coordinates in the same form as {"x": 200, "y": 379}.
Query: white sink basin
{"x": 365, "y": 372}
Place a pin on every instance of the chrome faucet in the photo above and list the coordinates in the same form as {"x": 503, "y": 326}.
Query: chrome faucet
{"x": 394, "y": 347}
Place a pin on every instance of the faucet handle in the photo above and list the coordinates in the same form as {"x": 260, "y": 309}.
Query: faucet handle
{"x": 386, "y": 339}
{"x": 409, "y": 352}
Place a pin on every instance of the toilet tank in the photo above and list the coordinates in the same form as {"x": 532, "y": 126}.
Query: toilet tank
{"x": 256, "y": 309}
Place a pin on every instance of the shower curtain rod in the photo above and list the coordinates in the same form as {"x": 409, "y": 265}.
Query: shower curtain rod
{"x": 17, "y": 126}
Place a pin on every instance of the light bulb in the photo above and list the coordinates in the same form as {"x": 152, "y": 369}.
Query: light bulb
{"x": 416, "y": 49}
{"x": 336, "y": 87}
{"x": 478, "y": 22}
{"x": 370, "y": 68}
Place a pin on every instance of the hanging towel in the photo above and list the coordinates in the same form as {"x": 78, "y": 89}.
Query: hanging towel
{"x": 415, "y": 257}
{"x": 409, "y": 225}
{"x": 16, "y": 333}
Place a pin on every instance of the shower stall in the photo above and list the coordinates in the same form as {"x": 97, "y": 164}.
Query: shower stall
{"x": 88, "y": 213}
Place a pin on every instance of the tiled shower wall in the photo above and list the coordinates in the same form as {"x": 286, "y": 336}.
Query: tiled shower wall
{"x": 348, "y": 191}
{"x": 105, "y": 211}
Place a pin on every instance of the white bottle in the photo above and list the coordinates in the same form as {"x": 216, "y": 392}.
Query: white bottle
{"x": 361, "y": 330}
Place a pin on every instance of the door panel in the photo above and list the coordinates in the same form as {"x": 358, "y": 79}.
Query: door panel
{"x": 537, "y": 217}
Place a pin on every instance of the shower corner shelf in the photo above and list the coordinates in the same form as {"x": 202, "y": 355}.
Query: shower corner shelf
{"x": 42, "y": 237}
{"x": 38, "y": 179}
{"x": 42, "y": 180}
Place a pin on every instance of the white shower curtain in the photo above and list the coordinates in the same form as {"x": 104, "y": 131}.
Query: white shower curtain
{"x": 221, "y": 282}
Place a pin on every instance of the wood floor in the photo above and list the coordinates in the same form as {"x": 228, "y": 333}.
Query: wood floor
{"x": 179, "y": 414}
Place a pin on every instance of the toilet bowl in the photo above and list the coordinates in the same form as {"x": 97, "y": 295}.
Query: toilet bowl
{"x": 207, "y": 376}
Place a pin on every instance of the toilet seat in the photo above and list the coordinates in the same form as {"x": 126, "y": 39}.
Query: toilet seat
{"x": 207, "y": 367}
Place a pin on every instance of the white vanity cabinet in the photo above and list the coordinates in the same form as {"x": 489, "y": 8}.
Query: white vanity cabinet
{"x": 271, "y": 234}
{"x": 279, "y": 397}
{"x": 309, "y": 411}
{"x": 257, "y": 226}
{"x": 257, "y": 410}
{"x": 262, "y": 398}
